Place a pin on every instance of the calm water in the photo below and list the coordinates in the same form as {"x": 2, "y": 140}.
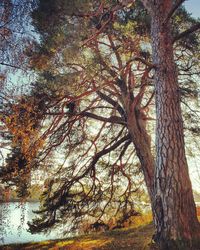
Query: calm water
{"x": 13, "y": 223}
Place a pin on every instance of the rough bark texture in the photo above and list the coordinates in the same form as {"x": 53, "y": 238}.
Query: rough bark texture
{"x": 174, "y": 209}
{"x": 140, "y": 139}
{"x": 142, "y": 143}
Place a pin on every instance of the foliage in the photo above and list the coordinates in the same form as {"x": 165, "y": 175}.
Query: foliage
{"x": 22, "y": 122}
{"x": 94, "y": 74}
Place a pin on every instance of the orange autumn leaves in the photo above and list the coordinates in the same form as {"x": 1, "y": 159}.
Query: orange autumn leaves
{"x": 22, "y": 124}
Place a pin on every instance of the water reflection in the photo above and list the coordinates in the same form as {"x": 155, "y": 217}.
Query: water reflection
{"x": 13, "y": 223}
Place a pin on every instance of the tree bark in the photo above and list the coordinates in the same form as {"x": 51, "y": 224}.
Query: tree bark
{"x": 175, "y": 217}
{"x": 142, "y": 144}
{"x": 140, "y": 138}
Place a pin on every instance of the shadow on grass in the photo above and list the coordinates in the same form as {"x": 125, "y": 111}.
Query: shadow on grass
{"x": 124, "y": 239}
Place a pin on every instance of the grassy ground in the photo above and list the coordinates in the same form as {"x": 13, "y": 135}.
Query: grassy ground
{"x": 137, "y": 237}
{"x": 129, "y": 239}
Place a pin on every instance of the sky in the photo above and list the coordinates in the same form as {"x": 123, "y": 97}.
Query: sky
{"x": 193, "y": 7}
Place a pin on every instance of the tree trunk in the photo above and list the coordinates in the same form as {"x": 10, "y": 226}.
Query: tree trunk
{"x": 175, "y": 217}
{"x": 140, "y": 138}
{"x": 142, "y": 144}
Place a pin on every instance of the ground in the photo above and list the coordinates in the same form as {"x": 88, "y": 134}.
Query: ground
{"x": 136, "y": 237}
{"x": 129, "y": 239}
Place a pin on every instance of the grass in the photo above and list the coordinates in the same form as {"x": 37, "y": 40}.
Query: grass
{"x": 126, "y": 239}
{"x": 137, "y": 237}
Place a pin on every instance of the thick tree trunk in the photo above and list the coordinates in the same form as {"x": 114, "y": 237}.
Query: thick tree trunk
{"x": 174, "y": 209}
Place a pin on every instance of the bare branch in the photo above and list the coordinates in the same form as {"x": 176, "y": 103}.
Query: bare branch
{"x": 140, "y": 59}
{"x": 112, "y": 119}
{"x": 10, "y": 65}
{"x": 112, "y": 102}
{"x": 107, "y": 150}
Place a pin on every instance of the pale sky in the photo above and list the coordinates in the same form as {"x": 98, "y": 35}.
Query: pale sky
{"x": 193, "y": 7}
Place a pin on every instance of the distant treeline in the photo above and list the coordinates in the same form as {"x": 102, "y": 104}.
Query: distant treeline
{"x": 10, "y": 195}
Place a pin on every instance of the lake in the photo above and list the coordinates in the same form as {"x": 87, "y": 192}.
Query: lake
{"x": 13, "y": 223}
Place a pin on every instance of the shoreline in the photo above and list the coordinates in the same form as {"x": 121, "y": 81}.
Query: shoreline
{"x": 18, "y": 200}
{"x": 117, "y": 239}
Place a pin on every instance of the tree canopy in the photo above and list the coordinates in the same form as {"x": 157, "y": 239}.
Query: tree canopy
{"x": 90, "y": 115}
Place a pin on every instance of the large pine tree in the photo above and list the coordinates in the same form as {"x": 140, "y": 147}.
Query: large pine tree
{"x": 173, "y": 203}
{"x": 94, "y": 63}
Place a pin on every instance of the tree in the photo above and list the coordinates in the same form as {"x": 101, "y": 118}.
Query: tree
{"x": 107, "y": 78}
{"x": 77, "y": 97}
{"x": 141, "y": 143}
{"x": 22, "y": 124}
{"x": 16, "y": 34}
{"x": 173, "y": 206}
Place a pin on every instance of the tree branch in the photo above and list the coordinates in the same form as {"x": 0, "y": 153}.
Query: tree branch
{"x": 112, "y": 102}
{"x": 112, "y": 119}
{"x": 10, "y": 65}
{"x": 187, "y": 32}
{"x": 101, "y": 153}
{"x": 147, "y": 4}
{"x": 140, "y": 59}
{"x": 108, "y": 150}
{"x": 174, "y": 8}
